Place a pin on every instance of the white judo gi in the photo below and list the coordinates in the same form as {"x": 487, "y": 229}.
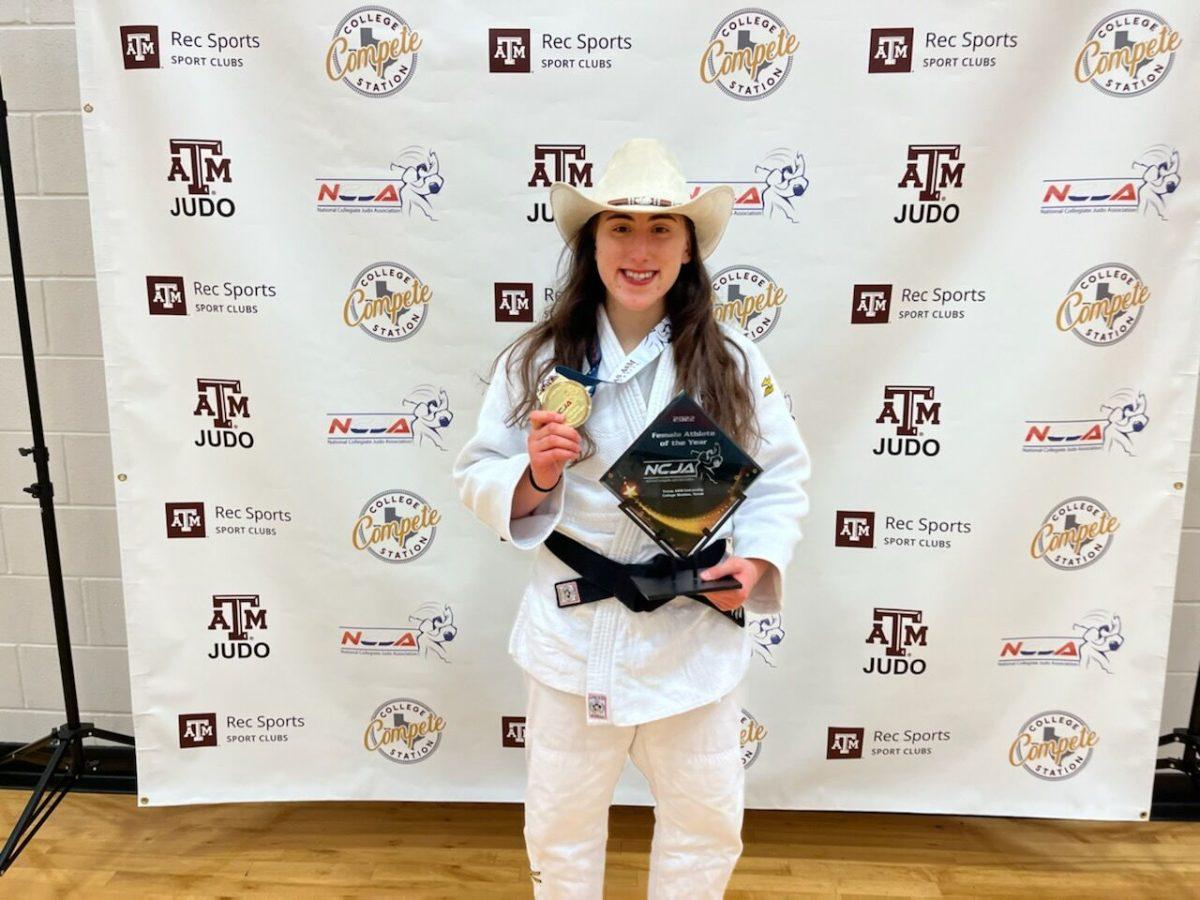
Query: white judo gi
{"x": 658, "y": 685}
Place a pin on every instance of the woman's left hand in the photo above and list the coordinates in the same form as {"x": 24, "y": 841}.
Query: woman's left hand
{"x": 746, "y": 571}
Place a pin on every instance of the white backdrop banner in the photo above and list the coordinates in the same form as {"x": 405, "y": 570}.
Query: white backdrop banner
{"x": 965, "y": 239}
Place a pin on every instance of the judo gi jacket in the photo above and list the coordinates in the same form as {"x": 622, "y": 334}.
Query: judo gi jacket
{"x": 632, "y": 667}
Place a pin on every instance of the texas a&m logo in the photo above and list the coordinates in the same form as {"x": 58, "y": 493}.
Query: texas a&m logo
{"x": 139, "y": 46}
{"x": 199, "y": 165}
{"x": 907, "y": 407}
{"x": 844, "y": 743}
{"x": 871, "y": 304}
{"x": 185, "y": 520}
{"x": 891, "y": 50}
{"x": 508, "y": 49}
{"x": 165, "y": 294}
{"x": 557, "y": 162}
{"x": 855, "y": 529}
{"x": 897, "y": 632}
{"x": 197, "y": 730}
{"x": 222, "y": 400}
{"x": 932, "y": 169}
{"x": 238, "y": 615}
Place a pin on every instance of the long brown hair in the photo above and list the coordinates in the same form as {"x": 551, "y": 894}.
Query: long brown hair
{"x": 705, "y": 363}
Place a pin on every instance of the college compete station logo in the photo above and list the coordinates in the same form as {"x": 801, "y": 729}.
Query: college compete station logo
{"x": 1053, "y": 745}
{"x": 1074, "y": 534}
{"x": 373, "y": 51}
{"x": 749, "y": 54}
{"x": 750, "y": 737}
{"x": 1097, "y": 636}
{"x": 388, "y": 301}
{"x": 1121, "y": 416}
{"x": 1103, "y": 305}
{"x": 415, "y": 175}
{"x": 395, "y": 526}
{"x": 747, "y": 298}
{"x": 1127, "y": 53}
{"x": 404, "y": 731}
{"x": 426, "y": 413}
{"x": 200, "y": 164}
{"x": 1157, "y": 177}
{"x": 431, "y": 628}
{"x": 779, "y": 183}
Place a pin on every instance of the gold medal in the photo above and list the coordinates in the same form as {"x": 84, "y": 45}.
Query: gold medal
{"x": 569, "y": 398}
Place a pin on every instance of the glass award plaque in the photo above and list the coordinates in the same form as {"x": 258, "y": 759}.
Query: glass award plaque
{"x": 679, "y": 481}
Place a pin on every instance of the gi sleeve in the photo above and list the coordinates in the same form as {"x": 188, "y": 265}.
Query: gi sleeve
{"x": 767, "y": 524}
{"x": 493, "y": 462}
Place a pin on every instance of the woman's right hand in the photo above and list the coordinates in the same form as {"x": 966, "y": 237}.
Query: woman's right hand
{"x": 552, "y": 444}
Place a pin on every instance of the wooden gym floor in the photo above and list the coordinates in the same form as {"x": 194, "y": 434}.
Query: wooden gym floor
{"x": 99, "y": 845}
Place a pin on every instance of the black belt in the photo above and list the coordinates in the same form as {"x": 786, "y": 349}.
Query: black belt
{"x": 601, "y": 577}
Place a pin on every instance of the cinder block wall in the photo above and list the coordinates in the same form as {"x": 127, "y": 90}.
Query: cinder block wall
{"x": 37, "y": 62}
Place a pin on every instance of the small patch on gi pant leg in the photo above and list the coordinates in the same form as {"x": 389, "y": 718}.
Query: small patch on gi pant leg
{"x": 597, "y": 707}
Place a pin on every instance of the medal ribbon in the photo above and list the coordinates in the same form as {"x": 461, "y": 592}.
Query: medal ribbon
{"x": 651, "y": 345}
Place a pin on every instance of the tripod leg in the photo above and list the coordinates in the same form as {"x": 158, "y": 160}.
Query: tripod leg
{"x": 35, "y": 807}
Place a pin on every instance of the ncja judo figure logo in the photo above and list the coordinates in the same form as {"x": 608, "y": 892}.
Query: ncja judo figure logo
{"x": 373, "y": 51}
{"x": 1103, "y": 305}
{"x": 395, "y": 526}
{"x": 1127, "y": 53}
{"x": 404, "y": 730}
{"x": 767, "y": 633}
{"x": 749, "y": 54}
{"x": 779, "y": 182}
{"x": 1053, "y": 745}
{"x": 1098, "y": 635}
{"x": 430, "y": 630}
{"x": 1155, "y": 178}
{"x": 425, "y": 416}
{"x": 1122, "y": 416}
{"x": 413, "y": 179}
{"x": 1075, "y": 534}
{"x": 749, "y": 299}
{"x": 387, "y": 301}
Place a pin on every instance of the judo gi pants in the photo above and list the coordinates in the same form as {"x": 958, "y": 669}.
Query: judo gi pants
{"x": 693, "y": 764}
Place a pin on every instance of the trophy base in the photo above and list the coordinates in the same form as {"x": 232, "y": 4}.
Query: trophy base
{"x": 686, "y": 582}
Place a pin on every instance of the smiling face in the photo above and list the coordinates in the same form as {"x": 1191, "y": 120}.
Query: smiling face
{"x": 639, "y": 256}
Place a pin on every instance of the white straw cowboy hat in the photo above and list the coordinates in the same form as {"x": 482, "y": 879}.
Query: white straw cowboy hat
{"x": 643, "y": 177}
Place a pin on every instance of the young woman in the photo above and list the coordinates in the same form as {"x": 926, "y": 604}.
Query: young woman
{"x": 604, "y": 682}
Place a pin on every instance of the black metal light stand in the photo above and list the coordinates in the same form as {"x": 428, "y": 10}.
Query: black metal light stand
{"x": 1176, "y": 797}
{"x": 65, "y": 757}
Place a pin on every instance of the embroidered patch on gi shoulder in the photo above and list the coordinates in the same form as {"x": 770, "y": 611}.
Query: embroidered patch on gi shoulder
{"x": 768, "y": 386}
{"x": 567, "y": 593}
{"x": 597, "y": 706}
